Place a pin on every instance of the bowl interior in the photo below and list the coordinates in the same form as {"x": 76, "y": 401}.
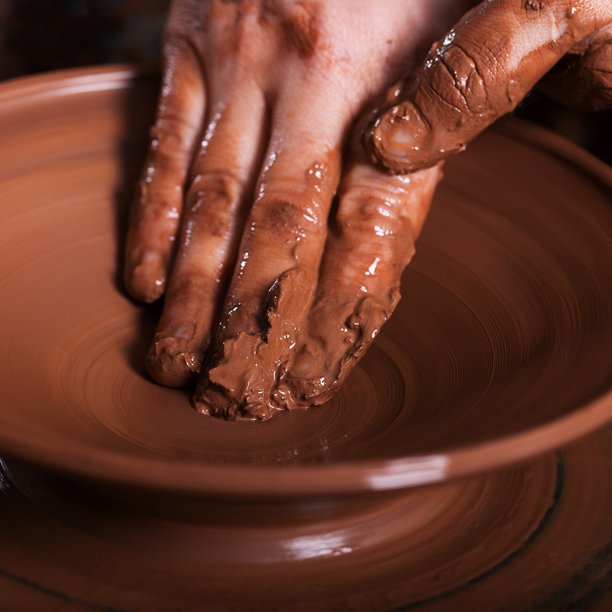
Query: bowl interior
{"x": 504, "y": 327}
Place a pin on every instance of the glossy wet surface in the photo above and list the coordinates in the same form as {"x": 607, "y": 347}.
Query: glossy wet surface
{"x": 537, "y": 536}
{"x": 498, "y": 351}
{"x": 504, "y": 325}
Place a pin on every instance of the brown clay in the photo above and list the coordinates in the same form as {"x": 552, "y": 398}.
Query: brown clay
{"x": 498, "y": 351}
{"x": 537, "y": 536}
{"x": 313, "y": 331}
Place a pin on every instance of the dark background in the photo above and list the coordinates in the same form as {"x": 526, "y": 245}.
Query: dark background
{"x": 41, "y": 35}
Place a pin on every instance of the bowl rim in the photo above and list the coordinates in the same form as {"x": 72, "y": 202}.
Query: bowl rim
{"x": 201, "y": 478}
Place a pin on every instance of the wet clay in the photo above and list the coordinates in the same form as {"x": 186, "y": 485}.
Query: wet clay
{"x": 498, "y": 350}
{"x": 240, "y": 385}
{"x": 258, "y": 334}
{"x": 461, "y": 545}
{"x": 463, "y": 86}
{"x": 243, "y": 384}
{"x": 311, "y": 341}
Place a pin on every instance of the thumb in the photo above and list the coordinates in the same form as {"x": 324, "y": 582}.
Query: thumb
{"x": 481, "y": 70}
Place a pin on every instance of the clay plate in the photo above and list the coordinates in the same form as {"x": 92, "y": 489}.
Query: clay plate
{"x": 499, "y": 350}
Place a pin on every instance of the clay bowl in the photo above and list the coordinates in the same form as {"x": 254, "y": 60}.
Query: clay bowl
{"x": 499, "y": 350}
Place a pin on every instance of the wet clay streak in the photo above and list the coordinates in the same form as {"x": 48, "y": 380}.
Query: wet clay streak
{"x": 299, "y": 23}
{"x": 243, "y": 383}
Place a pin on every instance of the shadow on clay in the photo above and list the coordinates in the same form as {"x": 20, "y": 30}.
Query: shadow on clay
{"x": 138, "y": 110}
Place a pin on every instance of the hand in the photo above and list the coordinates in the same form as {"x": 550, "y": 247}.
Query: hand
{"x": 485, "y": 66}
{"x": 268, "y": 294}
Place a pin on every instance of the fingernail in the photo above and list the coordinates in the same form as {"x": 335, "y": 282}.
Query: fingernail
{"x": 210, "y": 401}
{"x": 170, "y": 362}
{"x": 147, "y": 279}
{"x": 399, "y": 139}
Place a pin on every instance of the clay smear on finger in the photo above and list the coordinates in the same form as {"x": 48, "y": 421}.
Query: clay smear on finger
{"x": 243, "y": 383}
{"x": 156, "y": 211}
{"x": 303, "y": 355}
{"x": 480, "y": 71}
{"x": 272, "y": 290}
{"x": 360, "y": 280}
{"x": 333, "y": 357}
{"x": 213, "y": 220}
{"x": 171, "y": 359}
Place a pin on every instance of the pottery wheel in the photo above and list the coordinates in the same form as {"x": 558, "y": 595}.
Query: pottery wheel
{"x": 498, "y": 350}
{"x": 535, "y": 537}
{"x": 116, "y": 495}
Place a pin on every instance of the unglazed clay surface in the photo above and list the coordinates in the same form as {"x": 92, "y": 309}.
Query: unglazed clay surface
{"x": 537, "y": 536}
{"x": 498, "y": 350}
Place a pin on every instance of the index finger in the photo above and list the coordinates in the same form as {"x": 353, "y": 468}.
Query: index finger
{"x": 480, "y": 71}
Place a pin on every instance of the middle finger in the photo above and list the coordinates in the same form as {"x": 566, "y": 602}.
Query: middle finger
{"x": 277, "y": 266}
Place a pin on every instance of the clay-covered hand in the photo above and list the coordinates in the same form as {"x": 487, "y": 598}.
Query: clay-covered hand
{"x": 272, "y": 293}
{"x": 484, "y": 66}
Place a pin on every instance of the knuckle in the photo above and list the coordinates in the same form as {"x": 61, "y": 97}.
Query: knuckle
{"x": 234, "y": 31}
{"x": 293, "y": 216}
{"x": 176, "y": 43}
{"x": 158, "y": 208}
{"x": 365, "y": 213}
{"x": 168, "y": 147}
{"x": 300, "y": 26}
{"x": 214, "y": 187}
{"x": 212, "y": 201}
{"x": 458, "y": 80}
{"x": 246, "y": 33}
{"x": 189, "y": 286}
{"x": 211, "y": 221}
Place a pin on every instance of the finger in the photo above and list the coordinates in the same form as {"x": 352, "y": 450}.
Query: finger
{"x": 223, "y": 172}
{"x": 378, "y": 220}
{"x": 480, "y": 71}
{"x": 157, "y": 208}
{"x": 584, "y": 81}
{"x": 275, "y": 276}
